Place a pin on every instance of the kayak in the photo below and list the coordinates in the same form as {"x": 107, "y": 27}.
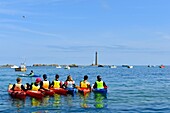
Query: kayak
{"x": 48, "y": 92}
{"x": 102, "y": 91}
{"x": 71, "y": 91}
{"x": 27, "y": 75}
{"x": 35, "y": 94}
{"x": 84, "y": 90}
{"x": 60, "y": 91}
{"x": 17, "y": 94}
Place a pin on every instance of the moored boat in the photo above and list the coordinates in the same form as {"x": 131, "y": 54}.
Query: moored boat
{"x": 67, "y": 67}
{"x": 161, "y": 66}
{"x": 21, "y": 68}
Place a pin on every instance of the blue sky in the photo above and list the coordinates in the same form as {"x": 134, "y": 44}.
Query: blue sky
{"x": 70, "y": 31}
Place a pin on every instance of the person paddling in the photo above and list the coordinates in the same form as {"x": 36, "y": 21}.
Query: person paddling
{"x": 35, "y": 86}
{"x": 69, "y": 83}
{"x": 45, "y": 84}
{"x": 84, "y": 83}
{"x": 99, "y": 84}
{"x": 18, "y": 86}
{"x": 31, "y": 73}
{"x": 56, "y": 83}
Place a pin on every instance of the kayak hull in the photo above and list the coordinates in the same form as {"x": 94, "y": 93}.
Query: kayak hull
{"x": 60, "y": 91}
{"x": 84, "y": 91}
{"x": 17, "y": 94}
{"x": 101, "y": 91}
{"x": 48, "y": 92}
{"x": 71, "y": 91}
{"x": 35, "y": 94}
{"x": 26, "y": 75}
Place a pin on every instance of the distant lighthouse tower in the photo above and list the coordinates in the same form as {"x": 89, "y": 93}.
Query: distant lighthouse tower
{"x": 96, "y": 59}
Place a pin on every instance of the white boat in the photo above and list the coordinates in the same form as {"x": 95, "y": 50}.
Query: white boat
{"x": 14, "y": 66}
{"x": 130, "y": 67}
{"x": 113, "y": 66}
{"x": 67, "y": 67}
{"x": 21, "y": 68}
{"x": 58, "y": 66}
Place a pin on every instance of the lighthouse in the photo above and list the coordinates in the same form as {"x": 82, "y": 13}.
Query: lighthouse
{"x": 96, "y": 59}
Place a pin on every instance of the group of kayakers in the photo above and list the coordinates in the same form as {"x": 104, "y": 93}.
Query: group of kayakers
{"x": 45, "y": 84}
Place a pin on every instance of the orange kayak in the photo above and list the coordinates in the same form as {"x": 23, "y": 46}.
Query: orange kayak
{"x": 35, "y": 94}
{"x": 17, "y": 94}
{"x": 60, "y": 91}
{"x": 48, "y": 92}
{"x": 84, "y": 90}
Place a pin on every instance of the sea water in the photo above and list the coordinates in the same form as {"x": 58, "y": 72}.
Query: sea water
{"x": 139, "y": 89}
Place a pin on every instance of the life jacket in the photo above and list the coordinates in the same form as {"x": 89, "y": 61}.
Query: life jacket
{"x": 70, "y": 84}
{"x": 17, "y": 87}
{"x": 46, "y": 84}
{"x": 56, "y": 84}
{"x": 35, "y": 88}
{"x": 83, "y": 84}
{"x": 100, "y": 84}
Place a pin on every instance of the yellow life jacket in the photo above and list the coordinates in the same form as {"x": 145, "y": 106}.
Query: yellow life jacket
{"x": 56, "y": 84}
{"x": 83, "y": 84}
{"x": 46, "y": 84}
{"x": 100, "y": 84}
{"x": 35, "y": 88}
{"x": 17, "y": 87}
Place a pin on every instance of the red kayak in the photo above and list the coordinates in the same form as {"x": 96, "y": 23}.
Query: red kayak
{"x": 84, "y": 90}
{"x": 48, "y": 92}
{"x": 35, "y": 94}
{"x": 60, "y": 91}
{"x": 17, "y": 94}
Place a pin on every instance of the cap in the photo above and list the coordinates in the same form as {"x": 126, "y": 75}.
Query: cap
{"x": 38, "y": 80}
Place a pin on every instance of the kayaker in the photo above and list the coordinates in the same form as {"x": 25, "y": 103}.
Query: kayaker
{"x": 56, "y": 83}
{"x": 35, "y": 86}
{"x": 45, "y": 84}
{"x": 18, "y": 86}
{"x": 31, "y": 73}
{"x": 99, "y": 84}
{"x": 69, "y": 83}
{"x": 84, "y": 83}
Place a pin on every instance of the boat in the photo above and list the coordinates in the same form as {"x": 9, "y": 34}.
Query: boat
{"x": 35, "y": 94}
{"x": 14, "y": 66}
{"x": 84, "y": 91}
{"x": 27, "y": 75}
{"x": 130, "y": 67}
{"x": 60, "y": 91}
{"x": 58, "y": 66}
{"x": 48, "y": 92}
{"x": 100, "y": 65}
{"x": 161, "y": 66}
{"x": 71, "y": 91}
{"x": 101, "y": 91}
{"x": 16, "y": 94}
{"x": 67, "y": 67}
{"x": 113, "y": 66}
{"x": 21, "y": 68}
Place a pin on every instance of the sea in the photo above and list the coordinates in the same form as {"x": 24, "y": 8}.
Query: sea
{"x": 140, "y": 89}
